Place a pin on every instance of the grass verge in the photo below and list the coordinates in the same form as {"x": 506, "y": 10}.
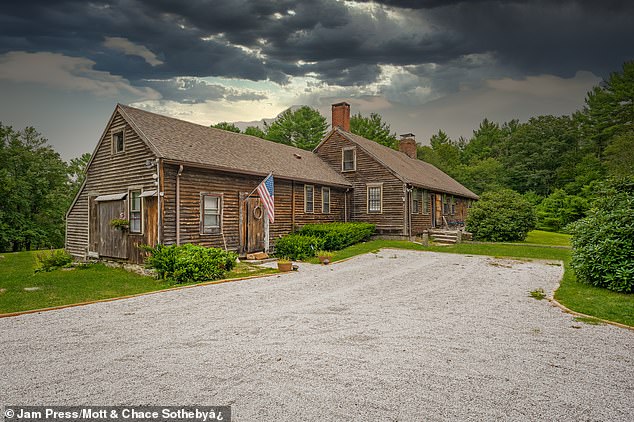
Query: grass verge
{"x": 576, "y": 296}
{"x": 66, "y": 287}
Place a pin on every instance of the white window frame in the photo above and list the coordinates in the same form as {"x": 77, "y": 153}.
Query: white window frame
{"x": 354, "y": 159}
{"x": 211, "y": 230}
{"x": 115, "y": 150}
{"x": 130, "y": 211}
{"x": 374, "y": 186}
{"x": 312, "y": 199}
{"x": 323, "y": 202}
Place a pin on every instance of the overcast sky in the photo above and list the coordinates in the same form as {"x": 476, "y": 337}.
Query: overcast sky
{"x": 423, "y": 65}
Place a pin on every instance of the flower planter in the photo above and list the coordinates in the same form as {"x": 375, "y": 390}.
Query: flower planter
{"x": 284, "y": 266}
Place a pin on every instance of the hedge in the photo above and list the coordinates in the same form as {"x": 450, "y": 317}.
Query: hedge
{"x": 298, "y": 247}
{"x": 339, "y": 235}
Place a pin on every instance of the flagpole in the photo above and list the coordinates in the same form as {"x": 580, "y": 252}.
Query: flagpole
{"x": 256, "y": 188}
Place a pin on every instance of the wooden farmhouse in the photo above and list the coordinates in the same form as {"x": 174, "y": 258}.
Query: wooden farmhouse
{"x": 175, "y": 182}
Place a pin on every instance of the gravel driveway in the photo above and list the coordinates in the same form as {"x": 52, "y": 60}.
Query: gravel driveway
{"x": 397, "y": 335}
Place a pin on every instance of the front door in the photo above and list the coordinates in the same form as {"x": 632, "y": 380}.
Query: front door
{"x": 438, "y": 210}
{"x": 254, "y": 224}
{"x": 112, "y": 241}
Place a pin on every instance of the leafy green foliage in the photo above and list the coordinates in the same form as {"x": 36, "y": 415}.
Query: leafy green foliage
{"x": 298, "y": 247}
{"x": 227, "y": 126}
{"x": 303, "y": 128}
{"x": 603, "y": 242}
{"x": 500, "y": 216}
{"x": 339, "y": 235}
{"x": 373, "y": 128}
{"x": 190, "y": 263}
{"x": 52, "y": 260}
{"x": 77, "y": 172}
{"x": 619, "y": 155}
{"x": 559, "y": 209}
{"x": 33, "y": 190}
{"x": 255, "y": 131}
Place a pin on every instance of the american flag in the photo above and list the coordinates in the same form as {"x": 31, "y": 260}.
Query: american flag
{"x": 265, "y": 190}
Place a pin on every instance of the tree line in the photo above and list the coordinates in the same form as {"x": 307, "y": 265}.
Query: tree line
{"x": 36, "y": 189}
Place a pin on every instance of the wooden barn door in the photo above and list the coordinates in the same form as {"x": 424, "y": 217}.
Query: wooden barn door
{"x": 253, "y": 225}
{"x": 112, "y": 242}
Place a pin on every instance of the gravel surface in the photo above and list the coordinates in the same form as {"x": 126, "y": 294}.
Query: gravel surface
{"x": 397, "y": 335}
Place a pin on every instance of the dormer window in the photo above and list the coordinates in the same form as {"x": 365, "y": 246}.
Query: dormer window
{"x": 348, "y": 159}
{"x": 117, "y": 142}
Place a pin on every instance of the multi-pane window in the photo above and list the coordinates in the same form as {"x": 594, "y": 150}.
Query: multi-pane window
{"x": 445, "y": 204}
{"x": 135, "y": 211}
{"x": 453, "y": 205}
{"x": 416, "y": 201}
{"x": 325, "y": 200}
{"x": 375, "y": 198}
{"x": 309, "y": 198}
{"x": 348, "y": 159}
{"x": 211, "y": 215}
{"x": 425, "y": 202}
{"x": 117, "y": 142}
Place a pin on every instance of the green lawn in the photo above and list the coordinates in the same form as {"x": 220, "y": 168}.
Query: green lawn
{"x": 64, "y": 287}
{"x": 540, "y": 237}
{"x": 580, "y": 297}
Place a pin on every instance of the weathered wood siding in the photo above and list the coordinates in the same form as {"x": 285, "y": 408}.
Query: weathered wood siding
{"x": 421, "y": 220}
{"x": 393, "y": 218}
{"x": 110, "y": 174}
{"x": 194, "y": 181}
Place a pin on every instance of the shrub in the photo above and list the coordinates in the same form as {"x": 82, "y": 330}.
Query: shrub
{"x": 339, "y": 235}
{"x": 603, "y": 242}
{"x": 188, "y": 263}
{"x": 52, "y": 260}
{"x": 500, "y": 216}
{"x": 298, "y": 247}
{"x": 559, "y": 209}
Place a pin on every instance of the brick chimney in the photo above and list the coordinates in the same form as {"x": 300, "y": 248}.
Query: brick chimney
{"x": 341, "y": 116}
{"x": 407, "y": 145}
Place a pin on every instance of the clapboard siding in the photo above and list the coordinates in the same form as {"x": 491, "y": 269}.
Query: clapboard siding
{"x": 194, "y": 181}
{"x": 368, "y": 171}
{"x": 110, "y": 173}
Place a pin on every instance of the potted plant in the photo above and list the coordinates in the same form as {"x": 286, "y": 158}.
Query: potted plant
{"x": 120, "y": 223}
{"x": 325, "y": 257}
{"x": 284, "y": 265}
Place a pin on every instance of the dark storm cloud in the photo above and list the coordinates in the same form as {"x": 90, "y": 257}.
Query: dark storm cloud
{"x": 336, "y": 42}
{"x": 195, "y": 91}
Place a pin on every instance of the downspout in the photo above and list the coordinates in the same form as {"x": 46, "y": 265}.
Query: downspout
{"x": 345, "y": 205}
{"x": 178, "y": 204}
{"x": 159, "y": 216}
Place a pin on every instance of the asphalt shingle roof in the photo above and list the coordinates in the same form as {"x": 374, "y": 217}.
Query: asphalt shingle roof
{"x": 186, "y": 142}
{"x": 410, "y": 170}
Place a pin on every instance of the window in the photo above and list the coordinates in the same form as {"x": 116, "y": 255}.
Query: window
{"x": 453, "y": 205}
{"x": 135, "y": 211}
{"x": 445, "y": 204}
{"x": 211, "y": 213}
{"x": 309, "y": 198}
{"x": 325, "y": 200}
{"x": 375, "y": 198}
{"x": 348, "y": 159}
{"x": 425, "y": 202}
{"x": 117, "y": 142}
{"x": 416, "y": 193}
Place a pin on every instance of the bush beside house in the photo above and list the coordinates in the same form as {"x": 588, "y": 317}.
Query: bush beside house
{"x": 500, "y": 216}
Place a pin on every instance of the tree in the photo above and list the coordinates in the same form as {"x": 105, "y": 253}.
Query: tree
{"x": 227, "y": 126}
{"x": 33, "y": 191}
{"x": 255, "y": 131}
{"x": 500, "y": 216}
{"x": 609, "y": 109}
{"x": 603, "y": 242}
{"x": 482, "y": 175}
{"x": 619, "y": 155}
{"x": 373, "y": 128}
{"x": 76, "y": 170}
{"x": 559, "y": 209}
{"x": 303, "y": 128}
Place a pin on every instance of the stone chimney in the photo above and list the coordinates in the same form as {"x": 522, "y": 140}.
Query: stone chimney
{"x": 341, "y": 116}
{"x": 407, "y": 145}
